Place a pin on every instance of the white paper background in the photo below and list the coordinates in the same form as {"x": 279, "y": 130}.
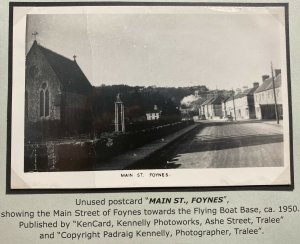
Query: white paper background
{"x": 288, "y": 232}
{"x": 107, "y": 179}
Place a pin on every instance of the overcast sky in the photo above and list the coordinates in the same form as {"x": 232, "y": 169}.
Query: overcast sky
{"x": 221, "y": 51}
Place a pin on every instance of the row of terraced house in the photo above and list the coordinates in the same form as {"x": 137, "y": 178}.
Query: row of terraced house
{"x": 257, "y": 102}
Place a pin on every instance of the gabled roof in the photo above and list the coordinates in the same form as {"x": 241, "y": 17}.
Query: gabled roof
{"x": 250, "y": 91}
{"x": 67, "y": 71}
{"x": 239, "y": 95}
{"x": 227, "y": 99}
{"x": 217, "y": 100}
{"x": 247, "y": 92}
{"x": 207, "y": 101}
{"x": 268, "y": 84}
{"x": 198, "y": 102}
{"x": 213, "y": 100}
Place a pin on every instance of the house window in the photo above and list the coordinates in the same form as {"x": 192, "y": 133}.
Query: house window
{"x": 44, "y": 101}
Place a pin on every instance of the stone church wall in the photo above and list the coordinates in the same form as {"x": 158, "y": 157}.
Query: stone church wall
{"x": 38, "y": 71}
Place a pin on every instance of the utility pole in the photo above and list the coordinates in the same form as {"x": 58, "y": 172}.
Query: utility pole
{"x": 233, "y": 104}
{"x": 275, "y": 99}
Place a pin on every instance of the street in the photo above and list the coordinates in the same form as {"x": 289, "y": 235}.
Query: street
{"x": 224, "y": 145}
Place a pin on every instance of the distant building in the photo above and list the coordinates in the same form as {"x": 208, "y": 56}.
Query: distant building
{"x": 241, "y": 106}
{"x": 264, "y": 97}
{"x": 211, "y": 108}
{"x": 153, "y": 114}
{"x": 57, "y": 93}
{"x": 190, "y": 110}
{"x": 203, "y": 111}
{"x": 226, "y": 108}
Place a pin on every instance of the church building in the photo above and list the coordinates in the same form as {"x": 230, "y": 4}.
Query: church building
{"x": 57, "y": 94}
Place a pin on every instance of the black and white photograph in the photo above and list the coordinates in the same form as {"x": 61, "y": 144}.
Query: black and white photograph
{"x": 150, "y": 96}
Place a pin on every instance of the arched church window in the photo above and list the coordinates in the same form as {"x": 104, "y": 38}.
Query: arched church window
{"x": 44, "y": 101}
{"x": 47, "y": 103}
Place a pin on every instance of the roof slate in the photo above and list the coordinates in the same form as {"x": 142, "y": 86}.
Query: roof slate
{"x": 198, "y": 102}
{"x": 217, "y": 100}
{"x": 247, "y": 92}
{"x": 207, "y": 101}
{"x": 268, "y": 84}
{"x": 227, "y": 99}
{"x": 68, "y": 71}
{"x": 213, "y": 100}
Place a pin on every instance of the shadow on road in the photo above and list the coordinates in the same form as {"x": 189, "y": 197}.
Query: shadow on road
{"x": 194, "y": 142}
{"x": 168, "y": 157}
{"x": 220, "y": 143}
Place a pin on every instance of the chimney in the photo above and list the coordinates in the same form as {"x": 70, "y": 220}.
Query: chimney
{"x": 155, "y": 107}
{"x": 255, "y": 84}
{"x": 264, "y": 77}
{"x": 277, "y": 72}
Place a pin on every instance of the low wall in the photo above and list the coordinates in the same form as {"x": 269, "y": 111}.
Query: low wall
{"x": 75, "y": 155}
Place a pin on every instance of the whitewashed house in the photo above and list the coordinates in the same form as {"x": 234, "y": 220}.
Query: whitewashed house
{"x": 264, "y": 97}
{"x": 153, "y": 114}
{"x": 241, "y": 106}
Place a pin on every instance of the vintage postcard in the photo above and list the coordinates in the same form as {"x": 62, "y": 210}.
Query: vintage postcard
{"x": 149, "y": 96}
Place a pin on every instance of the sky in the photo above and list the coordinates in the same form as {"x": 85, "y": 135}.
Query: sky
{"x": 222, "y": 51}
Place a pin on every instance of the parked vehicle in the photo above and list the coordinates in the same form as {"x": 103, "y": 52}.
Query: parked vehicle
{"x": 229, "y": 118}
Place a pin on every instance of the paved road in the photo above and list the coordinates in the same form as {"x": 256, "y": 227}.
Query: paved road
{"x": 224, "y": 145}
